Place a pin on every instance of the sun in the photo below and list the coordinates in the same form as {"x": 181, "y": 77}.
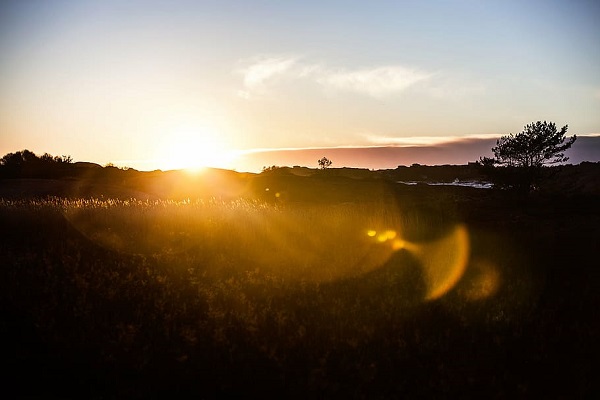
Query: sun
{"x": 194, "y": 149}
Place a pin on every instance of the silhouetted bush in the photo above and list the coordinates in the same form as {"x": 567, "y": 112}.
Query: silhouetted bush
{"x": 26, "y": 164}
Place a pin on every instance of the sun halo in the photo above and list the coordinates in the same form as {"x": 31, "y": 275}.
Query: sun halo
{"x": 194, "y": 150}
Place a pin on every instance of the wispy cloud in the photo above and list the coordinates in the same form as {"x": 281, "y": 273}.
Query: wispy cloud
{"x": 455, "y": 90}
{"x": 266, "y": 69}
{"x": 262, "y": 74}
{"x": 260, "y": 71}
{"x": 418, "y": 141}
{"x": 376, "y": 82}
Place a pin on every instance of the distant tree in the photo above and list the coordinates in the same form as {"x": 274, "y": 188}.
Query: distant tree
{"x": 271, "y": 168}
{"x": 539, "y": 143}
{"x": 325, "y": 163}
{"x": 26, "y": 164}
{"x": 49, "y": 159}
{"x": 14, "y": 165}
{"x": 521, "y": 156}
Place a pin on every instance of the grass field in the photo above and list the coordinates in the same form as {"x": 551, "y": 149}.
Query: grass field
{"x": 429, "y": 292}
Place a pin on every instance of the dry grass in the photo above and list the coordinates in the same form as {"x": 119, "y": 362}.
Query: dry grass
{"x": 137, "y": 298}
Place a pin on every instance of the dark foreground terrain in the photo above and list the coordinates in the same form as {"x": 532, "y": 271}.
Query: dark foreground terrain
{"x": 291, "y": 286}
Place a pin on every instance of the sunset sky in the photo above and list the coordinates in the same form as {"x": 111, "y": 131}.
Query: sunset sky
{"x": 169, "y": 84}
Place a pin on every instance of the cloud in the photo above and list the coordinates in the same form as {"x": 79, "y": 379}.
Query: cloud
{"x": 379, "y": 81}
{"x": 261, "y": 71}
{"x": 419, "y": 141}
{"x": 455, "y": 90}
{"x": 376, "y": 82}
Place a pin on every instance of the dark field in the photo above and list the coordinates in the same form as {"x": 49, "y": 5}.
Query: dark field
{"x": 320, "y": 287}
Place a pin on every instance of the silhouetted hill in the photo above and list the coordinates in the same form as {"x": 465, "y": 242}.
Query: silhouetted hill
{"x": 279, "y": 184}
{"x": 85, "y": 164}
{"x": 583, "y": 178}
{"x": 434, "y": 173}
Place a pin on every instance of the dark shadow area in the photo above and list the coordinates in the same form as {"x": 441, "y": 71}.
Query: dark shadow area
{"x": 209, "y": 319}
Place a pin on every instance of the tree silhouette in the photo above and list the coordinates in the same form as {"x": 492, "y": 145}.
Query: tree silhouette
{"x": 523, "y": 155}
{"x": 539, "y": 143}
{"x": 26, "y": 164}
{"x": 325, "y": 163}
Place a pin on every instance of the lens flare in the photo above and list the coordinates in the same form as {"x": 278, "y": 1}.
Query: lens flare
{"x": 387, "y": 235}
{"x": 443, "y": 261}
{"x": 484, "y": 281}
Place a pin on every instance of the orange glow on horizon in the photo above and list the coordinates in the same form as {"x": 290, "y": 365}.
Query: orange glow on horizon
{"x": 193, "y": 149}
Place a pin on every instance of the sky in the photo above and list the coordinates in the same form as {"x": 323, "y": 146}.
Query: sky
{"x": 171, "y": 84}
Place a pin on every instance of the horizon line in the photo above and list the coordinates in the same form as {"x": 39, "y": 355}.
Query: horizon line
{"x": 402, "y": 143}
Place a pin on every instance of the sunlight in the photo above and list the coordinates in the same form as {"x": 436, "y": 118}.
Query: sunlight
{"x": 195, "y": 148}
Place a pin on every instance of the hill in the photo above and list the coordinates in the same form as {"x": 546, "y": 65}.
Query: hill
{"x": 278, "y": 184}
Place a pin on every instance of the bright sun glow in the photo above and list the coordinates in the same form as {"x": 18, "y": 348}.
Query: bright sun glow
{"x": 194, "y": 149}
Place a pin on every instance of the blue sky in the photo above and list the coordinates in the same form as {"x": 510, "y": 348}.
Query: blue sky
{"x": 165, "y": 84}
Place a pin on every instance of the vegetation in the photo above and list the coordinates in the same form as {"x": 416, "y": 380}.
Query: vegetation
{"x": 325, "y": 163}
{"x": 271, "y": 168}
{"x": 26, "y": 164}
{"x": 107, "y": 298}
{"x": 296, "y": 284}
{"x": 523, "y": 155}
{"x": 538, "y": 144}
